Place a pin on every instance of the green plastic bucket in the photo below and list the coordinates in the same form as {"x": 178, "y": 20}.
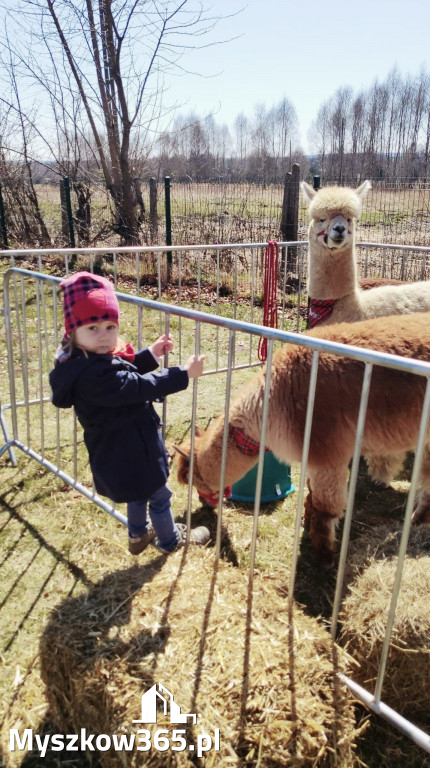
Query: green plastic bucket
{"x": 276, "y": 483}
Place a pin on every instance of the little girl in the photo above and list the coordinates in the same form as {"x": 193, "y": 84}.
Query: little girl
{"x": 112, "y": 390}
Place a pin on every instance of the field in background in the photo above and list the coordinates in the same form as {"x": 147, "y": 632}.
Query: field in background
{"x": 237, "y": 213}
{"x": 229, "y": 213}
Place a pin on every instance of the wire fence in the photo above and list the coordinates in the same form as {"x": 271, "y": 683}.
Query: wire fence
{"x": 396, "y": 212}
{"x": 392, "y": 212}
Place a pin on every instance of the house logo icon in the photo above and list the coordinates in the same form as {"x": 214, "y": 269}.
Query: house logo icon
{"x": 149, "y": 707}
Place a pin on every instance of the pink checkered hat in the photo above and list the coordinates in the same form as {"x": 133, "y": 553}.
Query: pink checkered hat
{"x": 87, "y": 299}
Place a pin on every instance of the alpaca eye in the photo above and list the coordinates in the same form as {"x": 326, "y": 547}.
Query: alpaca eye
{"x": 322, "y": 221}
{"x": 349, "y": 221}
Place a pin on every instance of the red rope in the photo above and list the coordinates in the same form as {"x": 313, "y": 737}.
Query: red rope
{"x": 270, "y": 305}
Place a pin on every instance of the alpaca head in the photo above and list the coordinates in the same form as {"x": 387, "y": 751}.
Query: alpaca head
{"x": 184, "y": 453}
{"x": 333, "y": 211}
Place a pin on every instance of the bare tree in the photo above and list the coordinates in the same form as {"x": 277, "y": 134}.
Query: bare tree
{"x": 357, "y": 132}
{"x": 112, "y": 55}
{"x": 319, "y": 135}
{"x": 241, "y": 128}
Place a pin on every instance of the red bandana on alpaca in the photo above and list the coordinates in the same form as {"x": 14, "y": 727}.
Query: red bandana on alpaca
{"x": 213, "y": 498}
{"x": 319, "y": 310}
{"x": 248, "y": 446}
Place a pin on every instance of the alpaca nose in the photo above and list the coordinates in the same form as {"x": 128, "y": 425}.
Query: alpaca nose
{"x": 339, "y": 228}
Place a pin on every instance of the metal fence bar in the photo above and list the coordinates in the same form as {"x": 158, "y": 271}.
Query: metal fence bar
{"x": 259, "y": 479}
{"x": 39, "y": 287}
{"x": 351, "y": 493}
{"x": 390, "y": 715}
{"x": 422, "y": 435}
{"x": 303, "y": 466}
{"x": 56, "y": 344}
{"x": 151, "y": 249}
{"x": 7, "y": 440}
{"x": 67, "y": 479}
{"x": 231, "y": 344}
{"x": 193, "y": 436}
{"x": 22, "y": 334}
{"x": 166, "y": 365}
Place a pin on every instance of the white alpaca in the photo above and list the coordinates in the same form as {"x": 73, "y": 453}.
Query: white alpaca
{"x": 332, "y": 271}
{"x": 333, "y": 286}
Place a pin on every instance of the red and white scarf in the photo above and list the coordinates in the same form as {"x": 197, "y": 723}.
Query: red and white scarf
{"x": 249, "y": 447}
{"x": 319, "y": 310}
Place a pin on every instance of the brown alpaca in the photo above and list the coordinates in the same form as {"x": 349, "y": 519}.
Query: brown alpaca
{"x": 393, "y": 416}
{"x": 366, "y": 283}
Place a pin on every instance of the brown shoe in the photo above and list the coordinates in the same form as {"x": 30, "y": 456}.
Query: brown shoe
{"x": 136, "y": 544}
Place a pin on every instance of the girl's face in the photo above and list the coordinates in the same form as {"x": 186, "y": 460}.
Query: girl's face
{"x": 100, "y": 338}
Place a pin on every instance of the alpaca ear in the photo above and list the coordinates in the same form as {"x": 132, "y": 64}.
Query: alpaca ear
{"x": 307, "y": 190}
{"x": 183, "y": 453}
{"x": 363, "y": 189}
{"x": 198, "y": 431}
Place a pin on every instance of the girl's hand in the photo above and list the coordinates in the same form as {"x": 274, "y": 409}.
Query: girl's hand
{"x": 194, "y": 366}
{"x": 162, "y": 345}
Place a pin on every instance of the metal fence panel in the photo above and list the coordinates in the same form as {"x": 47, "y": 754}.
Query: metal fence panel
{"x": 32, "y": 329}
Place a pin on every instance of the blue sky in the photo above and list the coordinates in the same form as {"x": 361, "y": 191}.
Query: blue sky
{"x": 304, "y": 51}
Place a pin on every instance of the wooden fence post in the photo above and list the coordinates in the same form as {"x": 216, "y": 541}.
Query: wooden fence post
{"x": 82, "y": 217}
{"x": 3, "y": 221}
{"x": 153, "y": 215}
{"x": 66, "y": 211}
{"x": 64, "y": 217}
{"x": 290, "y": 217}
{"x": 168, "y": 224}
{"x": 67, "y": 217}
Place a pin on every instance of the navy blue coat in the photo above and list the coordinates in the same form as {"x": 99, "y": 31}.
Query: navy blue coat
{"x": 113, "y": 402}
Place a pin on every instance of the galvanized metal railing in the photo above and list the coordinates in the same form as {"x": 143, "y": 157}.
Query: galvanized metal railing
{"x": 227, "y": 271}
{"x": 20, "y": 284}
{"x": 235, "y": 267}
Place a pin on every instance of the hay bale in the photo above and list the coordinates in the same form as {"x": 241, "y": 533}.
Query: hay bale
{"x": 364, "y": 616}
{"x": 182, "y": 621}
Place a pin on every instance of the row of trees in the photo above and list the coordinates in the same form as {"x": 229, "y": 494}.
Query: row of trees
{"x": 383, "y": 132}
{"x": 82, "y": 87}
{"x": 259, "y": 148}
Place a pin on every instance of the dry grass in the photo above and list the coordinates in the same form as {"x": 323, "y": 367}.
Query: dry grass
{"x": 86, "y": 627}
{"x": 185, "y": 622}
{"x": 66, "y": 573}
{"x": 374, "y": 560}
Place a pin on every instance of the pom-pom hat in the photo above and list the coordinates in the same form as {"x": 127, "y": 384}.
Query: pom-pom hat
{"x": 87, "y": 299}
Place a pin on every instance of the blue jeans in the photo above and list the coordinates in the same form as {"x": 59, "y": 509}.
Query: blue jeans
{"x": 161, "y": 516}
